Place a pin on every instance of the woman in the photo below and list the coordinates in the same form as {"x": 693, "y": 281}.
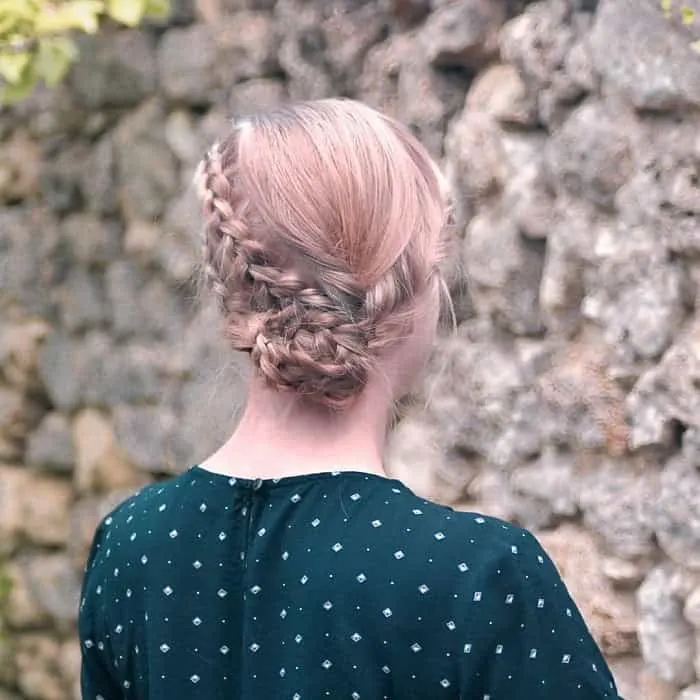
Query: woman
{"x": 288, "y": 565}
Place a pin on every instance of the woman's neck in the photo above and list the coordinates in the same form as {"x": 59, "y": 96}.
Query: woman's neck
{"x": 279, "y": 436}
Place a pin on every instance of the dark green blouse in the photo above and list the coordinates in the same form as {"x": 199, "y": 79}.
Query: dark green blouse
{"x": 342, "y": 585}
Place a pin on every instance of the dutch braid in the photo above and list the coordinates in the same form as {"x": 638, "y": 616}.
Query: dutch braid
{"x": 301, "y": 335}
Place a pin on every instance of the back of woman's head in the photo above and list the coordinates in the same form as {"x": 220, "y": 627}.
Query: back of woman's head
{"x": 324, "y": 230}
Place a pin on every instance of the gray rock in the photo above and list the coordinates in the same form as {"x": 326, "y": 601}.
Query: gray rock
{"x": 591, "y": 154}
{"x": 351, "y": 29}
{"x": 504, "y": 271}
{"x": 538, "y": 43}
{"x": 186, "y": 64}
{"x": 628, "y": 39}
{"x": 32, "y": 261}
{"x": 400, "y": 82}
{"x": 18, "y": 415}
{"x": 500, "y": 92}
{"x": 51, "y": 444}
{"x": 98, "y": 182}
{"x": 616, "y": 503}
{"x": 675, "y": 513}
{"x": 478, "y": 158}
{"x": 60, "y": 372}
{"x": 198, "y": 62}
{"x": 463, "y": 34}
{"x": 663, "y": 194}
{"x": 129, "y": 374}
{"x": 254, "y": 95}
{"x": 636, "y": 294}
{"x": 61, "y": 178}
{"x": 481, "y": 399}
{"x": 178, "y": 252}
{"x": 149, "y": 437}
{"x": 544, "y": 491}
{"x": 141, "y": 305}
{"x": 246, "y": 48}
{"x": 301, "y": 50}
{"x": 667, "y": 395}
{"x": 53, "y": 581}
{"x": 666, "y": 639}
{"x": 116, "y": 70}
{"x": 81, "y": 300}
{"x": 408, "y": 12}
{"x": 91, "y": 240}
{"x": 148, "y": 170}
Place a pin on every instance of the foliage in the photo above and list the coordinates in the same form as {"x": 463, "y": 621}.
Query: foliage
{"x": 36, "y": 36}
{"x": 687, "y": 14}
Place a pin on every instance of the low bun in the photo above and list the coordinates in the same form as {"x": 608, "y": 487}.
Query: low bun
{"x": 322, "y": 233}
{"x": 313, "y": 354}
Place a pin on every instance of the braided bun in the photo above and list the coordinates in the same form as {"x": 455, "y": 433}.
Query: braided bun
{"x": 301, "y": 246}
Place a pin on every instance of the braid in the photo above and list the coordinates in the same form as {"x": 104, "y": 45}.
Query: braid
{"x": 322, "y": 230}
{"x": 301, "y": 336}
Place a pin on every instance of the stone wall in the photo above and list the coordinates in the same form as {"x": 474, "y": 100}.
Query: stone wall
{"x": 567, "y": 399}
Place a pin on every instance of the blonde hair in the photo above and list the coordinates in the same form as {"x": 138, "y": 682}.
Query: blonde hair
{"x": 323, "y": 236}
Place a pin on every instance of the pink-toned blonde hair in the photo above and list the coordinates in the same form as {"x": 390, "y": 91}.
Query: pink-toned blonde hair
{"x": 324, "y": 229}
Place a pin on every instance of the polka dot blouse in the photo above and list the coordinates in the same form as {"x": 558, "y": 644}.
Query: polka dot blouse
{"x": 342, "y": 585}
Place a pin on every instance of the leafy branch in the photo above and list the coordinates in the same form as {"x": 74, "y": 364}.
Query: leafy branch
{"x": 36, "y": 37}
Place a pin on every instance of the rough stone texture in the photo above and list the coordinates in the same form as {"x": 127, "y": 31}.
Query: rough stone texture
{"x": 691, "y": 693}
{"x": 567, "y": 398}
{"x": 644, "y": 58}
{"x": 116, "y": 71}
{"x": 33, "y": 509}
{"x": 51, "y": 444}
{"x": 667, "y": 639}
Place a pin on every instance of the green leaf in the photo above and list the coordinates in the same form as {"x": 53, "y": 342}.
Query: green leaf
{"x": 687, "y": 14}
{"x": 695, "y": 46}
{"x": 54, "y": 59}
{"x": 128, "y": 12}
{"x": 76, "y": 14}
{"x": 159, "y": 9}
{"x": 13, "y": 66}
{"x": 13, "y": 93}
{"x": 667, "y": 6}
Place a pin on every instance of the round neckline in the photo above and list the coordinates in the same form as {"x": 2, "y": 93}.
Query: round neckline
{"x": 292, "y": 480}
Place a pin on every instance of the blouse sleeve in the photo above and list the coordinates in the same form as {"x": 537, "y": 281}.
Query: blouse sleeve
{"x": 96, "y": 679}
{"x": 538, "y": 646}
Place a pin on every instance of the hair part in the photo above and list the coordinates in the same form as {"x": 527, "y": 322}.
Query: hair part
{"x": 324, "y": 231}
